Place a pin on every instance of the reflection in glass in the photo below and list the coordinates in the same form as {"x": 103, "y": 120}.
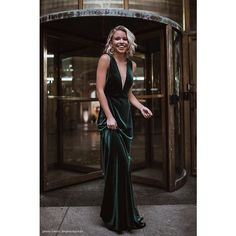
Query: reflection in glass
{"x": 80, "y": 137}
{"x": 139, "y": 87}
{"x": 52, "y": 112}
{"x": 138, "y": 144}
{"x": 156, "y": 120}
{"x": 73, "y": 137}
{"x": 149, "y": 133}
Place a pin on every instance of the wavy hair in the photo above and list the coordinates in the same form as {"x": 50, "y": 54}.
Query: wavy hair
{"x": 131, "y": 38}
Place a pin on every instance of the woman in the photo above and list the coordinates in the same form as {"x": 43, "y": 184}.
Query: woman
{"x": 114, "y": 91}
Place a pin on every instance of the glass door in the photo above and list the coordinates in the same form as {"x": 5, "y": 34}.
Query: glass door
{"x": 176, "y": 163}
{"x": 149, "y": 143}
{"x": 70, "y": 140}
{"x": 78, "y": 134}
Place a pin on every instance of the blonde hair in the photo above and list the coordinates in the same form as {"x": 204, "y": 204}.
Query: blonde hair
{"x": 131, "y": 38}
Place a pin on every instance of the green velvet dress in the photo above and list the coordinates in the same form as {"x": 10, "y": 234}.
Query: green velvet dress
{"x": 118, "y": 209}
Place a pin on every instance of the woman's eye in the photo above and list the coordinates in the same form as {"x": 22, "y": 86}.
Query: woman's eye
{"x": 124, "y": 39}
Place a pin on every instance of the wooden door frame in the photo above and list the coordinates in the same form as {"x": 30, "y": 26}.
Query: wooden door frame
{"x": 170, "y": 111}
{"x": 43, "y": 111}
{"x": 193, "y": 107}
{"x": 169, "y": 172}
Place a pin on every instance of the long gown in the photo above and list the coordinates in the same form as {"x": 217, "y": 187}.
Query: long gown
{"x": 118, "y": 209}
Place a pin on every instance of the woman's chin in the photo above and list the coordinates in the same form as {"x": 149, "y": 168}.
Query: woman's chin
{"x": 121, "y": 51}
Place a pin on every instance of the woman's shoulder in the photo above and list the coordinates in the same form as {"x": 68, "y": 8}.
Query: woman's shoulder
{"x": 105, "y": 56}
{"x": 105, "y": 59}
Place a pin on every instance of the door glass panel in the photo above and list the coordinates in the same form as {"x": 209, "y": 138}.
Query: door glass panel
{"x": 157, "y": 107}
{"x": 80, "y": 136}
{"x": 73, "y": 138}
{"x": 52, "y": 112}
{"x": 57, "y": 174}
{"x": 138, "y": 148}
{"x": 152, "y": 131}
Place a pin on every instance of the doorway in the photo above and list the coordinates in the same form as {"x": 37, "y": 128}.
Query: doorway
{"x": 70, "y": 139}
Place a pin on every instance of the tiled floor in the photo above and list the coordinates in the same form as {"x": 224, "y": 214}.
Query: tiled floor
{"x": 161, "y": 220}
{"x": 90, "y": 194}
{"x": 75, "y": 210}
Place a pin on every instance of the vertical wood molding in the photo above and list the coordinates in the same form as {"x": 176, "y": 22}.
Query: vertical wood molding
{"x": 188, "y": 146}
{"x": 163, "y": 109}
{"x": 126, "y": 4}
{"x": 186, "y": 104}
{"x": 170, "y": 110}
{"x": 186, "y": 15}
{"x": 193, "y": 105}
{"x": 80, "y": 4}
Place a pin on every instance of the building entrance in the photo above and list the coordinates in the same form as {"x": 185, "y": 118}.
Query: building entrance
{"x": 70, "y": 141}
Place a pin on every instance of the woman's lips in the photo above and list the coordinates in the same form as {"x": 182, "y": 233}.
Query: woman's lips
{"x": 121, "y": 46}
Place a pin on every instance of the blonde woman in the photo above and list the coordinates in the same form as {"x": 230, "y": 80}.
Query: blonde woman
{"x": 114, "y": 90}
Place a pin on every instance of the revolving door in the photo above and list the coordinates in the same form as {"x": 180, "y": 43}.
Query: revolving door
{"x": 70, "y": 141}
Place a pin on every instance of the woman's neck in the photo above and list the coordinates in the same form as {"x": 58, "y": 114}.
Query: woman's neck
{"x": 120, "y": 57}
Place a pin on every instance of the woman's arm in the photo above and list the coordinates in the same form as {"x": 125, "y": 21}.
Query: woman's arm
{"x": 134, "y": 101}
{"x": 102, "y": 67}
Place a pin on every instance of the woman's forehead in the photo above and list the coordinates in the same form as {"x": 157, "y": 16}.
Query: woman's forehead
{"x": 120, "y": 33}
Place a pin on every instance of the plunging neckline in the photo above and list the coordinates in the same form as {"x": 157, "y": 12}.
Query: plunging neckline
{"x": 122, "y": 85}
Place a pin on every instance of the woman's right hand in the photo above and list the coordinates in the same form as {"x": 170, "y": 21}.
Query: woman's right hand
{"x": 111, "y": 123}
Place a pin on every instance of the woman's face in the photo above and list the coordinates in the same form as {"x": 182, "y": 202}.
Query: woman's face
{"x": 120, "y": 42}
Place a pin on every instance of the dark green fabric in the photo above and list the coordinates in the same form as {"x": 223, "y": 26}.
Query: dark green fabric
{"x": 118, "y": 209}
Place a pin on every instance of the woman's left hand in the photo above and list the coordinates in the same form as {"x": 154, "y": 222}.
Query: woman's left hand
{"x": 146, "y": 112}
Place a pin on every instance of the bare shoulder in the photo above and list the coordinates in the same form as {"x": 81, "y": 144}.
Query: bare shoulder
{"x": 104, "y": 60}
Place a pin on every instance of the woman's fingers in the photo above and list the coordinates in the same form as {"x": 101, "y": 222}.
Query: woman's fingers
{"x": 112, "y": 126}
{"x": 111, "y": 123}
{"x": 146, "y": 112}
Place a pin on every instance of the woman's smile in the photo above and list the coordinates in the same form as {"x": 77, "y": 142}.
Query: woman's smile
{"x": 120, "y": 41}
{"x": 121, "y": 46}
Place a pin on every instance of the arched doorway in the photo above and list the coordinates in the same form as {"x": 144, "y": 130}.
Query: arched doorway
{"x": 71, "y": 45}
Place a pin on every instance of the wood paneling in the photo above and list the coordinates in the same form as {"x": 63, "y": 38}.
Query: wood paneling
{"x": 48, "y": 6}
{"x": 169, "y": 8}
{"x": 193, "y": 100}
{"x": 186, "y": 103}
{"x": 173, "y": 9}
{"x": 190, "y": 79}
{"x": 193, "y": 14}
